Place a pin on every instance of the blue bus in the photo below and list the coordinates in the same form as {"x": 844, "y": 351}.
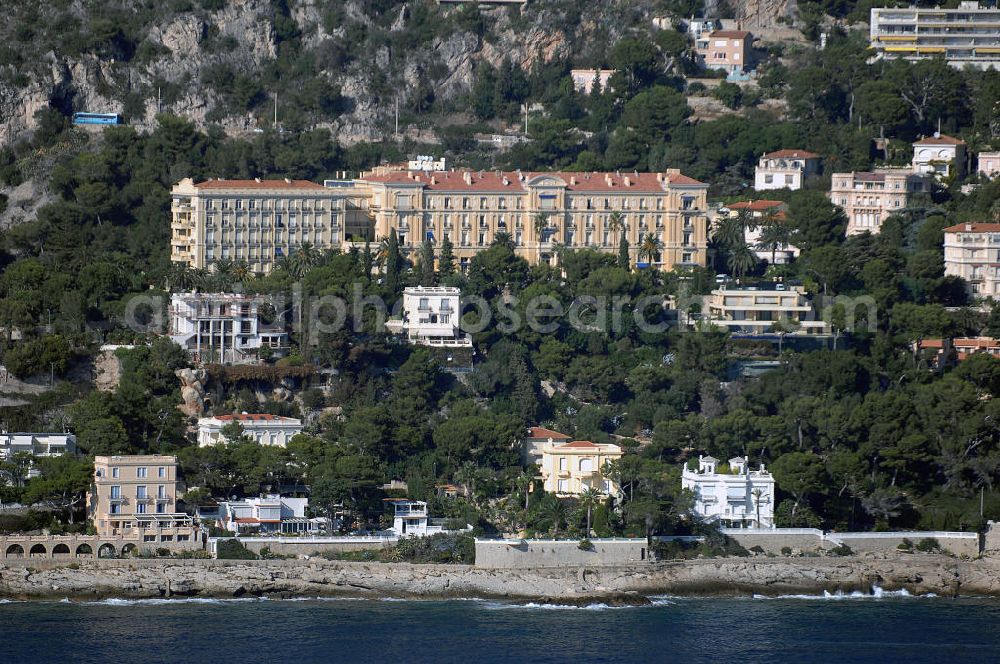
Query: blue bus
{"x": 97, "y": 119}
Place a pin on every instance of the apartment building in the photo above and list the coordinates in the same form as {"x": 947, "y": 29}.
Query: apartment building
{"x": 967, "y": 35}
{"x": 137, "y": 495}
{"x": 569, "y": 469}
{"x": 226, "y": 328}
{"x": 989, "y": 164}
{"x": 753, "y": 310}
{"x": 263, "y": 428}
{"x": 869, "y": 198}
{"x": 260, "y": 221}
{"x": 763, "y": 212}
{"x": 731, "y": 494}
{"x": 785, "y": 169}
{"x": 541, "y": 212}
{"x": 939, "y": 155}
{"x": 431, "y": 316}
{"x": 972, "y": 252}
{"x": 726, "y": 50}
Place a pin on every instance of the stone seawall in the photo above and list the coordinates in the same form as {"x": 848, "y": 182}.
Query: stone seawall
{"x": 139, "y": 578}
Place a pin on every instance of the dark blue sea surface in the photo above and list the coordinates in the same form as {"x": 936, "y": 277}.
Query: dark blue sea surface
{"x": 886, "y": 628}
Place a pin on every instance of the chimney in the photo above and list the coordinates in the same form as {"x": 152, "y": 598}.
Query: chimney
{"x": 607, "y": 178}
{"x": 628, "y": 181}
{"x": 572, "y": 181}
{"x": 968, "y": 227}
{"x": 505, "y": 181}
{"x": 937, "y": 134}
{"x": 288, "y": 181}
{"x": 467, "y": 177}
{"x": 256, "y": 179}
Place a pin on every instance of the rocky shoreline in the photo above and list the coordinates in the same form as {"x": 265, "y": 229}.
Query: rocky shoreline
{"x": 151, "y": 578}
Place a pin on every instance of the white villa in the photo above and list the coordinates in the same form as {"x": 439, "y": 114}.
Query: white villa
{"x": 271, "y": 514}
{"x": 939, "y": 155}
{"x": 767, "y": 308}
{"x": 785, "y": 169}
{"x": 37, "y": 445}
{"x": 734, "y": 495}
{"x": 410, "y": 518}
{"x": 223, "y": 327}
{"x": 263, "y": 428}
{"x": 431, "y": 317}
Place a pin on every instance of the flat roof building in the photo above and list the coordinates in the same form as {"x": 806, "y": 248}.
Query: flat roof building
{"x": 869, "y": 198}
{"x": 769, "y": 308}
{"x": 731, "y": 494}
{"x": 967, "y": 35}
{"x": 972, "y": 252}
{"x": 136, "y": 495}
{"x": 431, "y": 316}
{"x": 226, "y": 328}
{"x": 263, "y": 428}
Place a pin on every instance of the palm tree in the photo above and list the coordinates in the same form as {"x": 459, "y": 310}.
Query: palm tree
{"x": 589, "y": 499}
{"x": 224, "y": 273}
{"x": 773, "y": 236}
{"x": 241, "y": 271}
{"x": 553, "y": 512}
{"x": 729, "y": 232}
{"x": 741, "y": 259}
{"x": 616, "y": 223}
{"x": 757, "y": 493}
{"x": 650, "y": 248}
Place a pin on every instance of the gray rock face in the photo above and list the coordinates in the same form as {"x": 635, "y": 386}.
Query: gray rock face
{"x": 217, "y": 578}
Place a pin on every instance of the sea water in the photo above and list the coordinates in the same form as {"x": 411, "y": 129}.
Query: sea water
{"x": 877, "y": 627}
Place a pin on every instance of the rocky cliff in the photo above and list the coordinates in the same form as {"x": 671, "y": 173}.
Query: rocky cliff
{"x": 163, "y": 578}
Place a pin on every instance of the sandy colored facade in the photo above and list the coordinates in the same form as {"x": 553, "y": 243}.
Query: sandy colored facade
{"x": 869, "y": 198}
{"x": 989, "y": 164}
{"x": 972, "y": 252}
{"x": 259, "y": 222}
{"x": 541, "y": 212}
{"x": 137, "y": 495}
{"x": 726, "y": 50}
{"x": 568, "y": 469}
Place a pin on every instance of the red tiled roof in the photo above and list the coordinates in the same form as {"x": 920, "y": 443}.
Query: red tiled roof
{"x": 513, "y": 181}
{"x": 731, "y": 34}
{"x": 579, "y": 443}
{"x": 940, "y": 139}
{"x": 976, "y": 342}
{"x": 541, "y": 432}
{"x": 973, "y": 228}
{"x": 258, "y": 184}
{"x": 755, "y": 206}
{"x": 791, "y": 154}
{"x": 254, "y": 417}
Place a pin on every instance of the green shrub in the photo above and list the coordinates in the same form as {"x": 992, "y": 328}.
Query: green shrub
{"x": 842, "y": 550}
{"x": 905, "y": 545}
{"x": 233, "y": 549}
{"x": 928, "y": 545}
{"x": 786, "y": 550}
{"x": 586, "y": 545}
{"x": 756, "y": 549}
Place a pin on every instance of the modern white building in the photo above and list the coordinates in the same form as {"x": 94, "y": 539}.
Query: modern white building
{"x": 427, "y": 164}
{"x": 785, "y": 169}
{"x": 939, "y": 155}
{"x": 263, "y": 428}
{"x": 967, "y": 35}
{"x": 732, "y": 494}
{"x": 989, "y": 164}
{"x": 538, "y": 438}
{"x": 270, "y": 514}
{"x": 972, "y": 252}
{"x": 410, "y": 518}
{"x": 767, "y": 308}
{"x": 225, "y": 328}
{"x": 432, "y": 317}
{"x": 36, "y": 444}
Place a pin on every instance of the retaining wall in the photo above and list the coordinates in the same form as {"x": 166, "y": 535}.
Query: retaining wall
{"x": 509, "y": 554}
{"x": 307, "y": 546}
{"x": 40, "y": 547}
{"x": 810, "y": 540}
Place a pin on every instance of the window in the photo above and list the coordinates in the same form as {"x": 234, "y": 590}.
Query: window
{"x": 586, "y": 465}
{"x": 161, "y": 491}
{"x": 768, "y": 179}
{"x": 563, "y": 486}
{"x": 563, "y": 463}
{"x": 114, "y": 471}
{"x": 140, "y": 492}
{"x": 161, "y": 508}
{"x": 140, "y": 508}
{"x": 116, "y": 492}
{"x": 116, "y": 508}
{"x": 140, "y": 472}
{"x": 161, "y": 472}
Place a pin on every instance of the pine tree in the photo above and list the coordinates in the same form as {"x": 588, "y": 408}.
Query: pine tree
{"x": 623, "y": 260}
{"x": 392, "y": 263}
{"x": 427, "y": 263}
{"x": 367, "y": 261}
{"x": 446, "y": 261}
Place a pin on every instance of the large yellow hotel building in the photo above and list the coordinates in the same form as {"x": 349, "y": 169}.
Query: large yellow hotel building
{"x": 259, "y": 221}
